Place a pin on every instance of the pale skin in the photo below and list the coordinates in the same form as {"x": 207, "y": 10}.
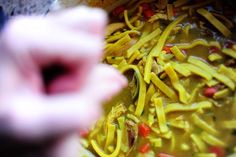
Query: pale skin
{"x": 73, "y": 38}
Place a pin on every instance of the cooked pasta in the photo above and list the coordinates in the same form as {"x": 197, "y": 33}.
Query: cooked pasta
{"x": 180, "y": 61}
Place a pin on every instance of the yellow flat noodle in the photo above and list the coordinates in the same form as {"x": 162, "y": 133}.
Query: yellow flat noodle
{"x": 114, "y": 59}
{"x": 222, "y": 93}
{"x": 207, "y": 68}
{"x": 211, "y": 140}
{"x": 184, "y": 147}
{"x": 176, "y": 107}
{"x": 181, "y": 69}
{"x": 122, "y": 64}
{"x": 215, "y": 22}
{"x": 186, "y": 29}
{"x": 212, "y": 82}
{"x": 133, "y": 117}
{"x": 197, "y": 42}
{"x": 121, "y": 122}
{"x": 199, "y": 143}
{"x": 178, "y": 54}
{"x": 205, "y": 155}
{"x": 215, "y": 44}
{"x": 180, "y": 124}
{"x": 156, "y": 142}
{"x": 230, "y": 124}
{"x": 134, "y": 56}
{"x": 183, "y": 95}
{"x": 151, "y": 90}
{"x": 150, "y": 119}
{"x": 224, "y": 79}
{"x": 158, "y": 48}
{"x": 161, "y": 115}
{"x": 117, "y": 45}
{"x": 111, "y": 28}
{"x": 142, "y": 41}
{"x": 196, "y": 5}
{"x": 168, "y": 135}
{"x": 229, "y": 52}
{"x": 128, "y": 23}
{"x": 170, "y": 11}
{"x": 228, "y": 23}
{"x": 179, "y": 3}
{"x": 195, "y": 92}
{"x": 198, "y": 71}
{"x": 100, "y": 152}
{"x": 229, "y": 72}
{"x": 118, "y": 36}
{"x": 163, "y": 87}
{"x": 171, "y": 73}
{"x": 158, "y": 16}
{"x": 201, "y": 64}
{"x": 215, "y": 57}
{"x": 111, "y": 128}
{"x": 142, "y": 88}
{"x": 204, "y": 125}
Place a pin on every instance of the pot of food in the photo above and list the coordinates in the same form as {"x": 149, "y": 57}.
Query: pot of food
{"x": 180, "y": 60}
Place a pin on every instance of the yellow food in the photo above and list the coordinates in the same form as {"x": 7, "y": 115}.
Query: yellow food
{"x": 181, "y": 97}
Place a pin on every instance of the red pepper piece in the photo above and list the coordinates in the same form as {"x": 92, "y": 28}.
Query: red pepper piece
{"x": 118, "y": 10}
{"x": 210, "y": 91}
{"x": 144, "y": 148}
{"x": 167, "y": 49}
{"x": 144, "y": 130}
{"x": 148, "y": 13}
{"x": 220, "y": 152}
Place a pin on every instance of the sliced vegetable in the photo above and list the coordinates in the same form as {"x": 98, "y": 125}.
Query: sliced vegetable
{"x": 218, "y": 151}
{"x": 144, "y": 130}
{"x": 209, "y": 91}
{"x": 144, "y": 148}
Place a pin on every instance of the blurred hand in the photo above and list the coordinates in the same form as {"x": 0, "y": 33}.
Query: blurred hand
{"x": 33, "y": 106}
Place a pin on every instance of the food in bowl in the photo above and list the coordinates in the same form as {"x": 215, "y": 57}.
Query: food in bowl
{"x": 180, "y": 59}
